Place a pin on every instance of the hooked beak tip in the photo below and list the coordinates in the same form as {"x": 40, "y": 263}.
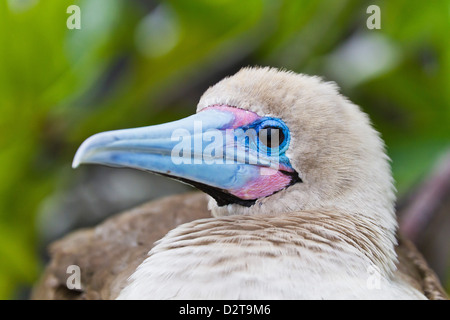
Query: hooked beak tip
{"x": 91, "y": 146}
{"x": 81, "y": 153}
{"x": 75, "y": 163}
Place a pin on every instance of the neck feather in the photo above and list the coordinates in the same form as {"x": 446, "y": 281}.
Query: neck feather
{"x": 322, "y": 231}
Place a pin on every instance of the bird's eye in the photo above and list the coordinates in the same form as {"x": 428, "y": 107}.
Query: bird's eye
{"x": 271, "y": 137}
{"x": 269, "y": 134}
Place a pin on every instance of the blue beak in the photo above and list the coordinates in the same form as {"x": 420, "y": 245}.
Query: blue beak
{"x": 198, "y": 150}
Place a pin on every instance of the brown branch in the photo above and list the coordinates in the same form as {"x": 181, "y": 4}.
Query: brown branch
{"x": 425, "y": 201}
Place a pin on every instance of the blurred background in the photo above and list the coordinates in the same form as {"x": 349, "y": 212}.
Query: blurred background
{"x": 142, "y": 62}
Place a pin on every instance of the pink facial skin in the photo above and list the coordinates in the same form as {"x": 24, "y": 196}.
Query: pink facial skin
{"x": 263, "y": 185}
{"x": 269, "y": 180}
{"x": 241, "y": 116}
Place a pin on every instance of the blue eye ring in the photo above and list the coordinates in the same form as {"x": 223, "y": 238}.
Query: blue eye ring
{"x": 269, "y": 123}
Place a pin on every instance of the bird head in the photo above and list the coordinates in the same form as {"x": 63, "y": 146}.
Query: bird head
{"x": 264, "y": 141}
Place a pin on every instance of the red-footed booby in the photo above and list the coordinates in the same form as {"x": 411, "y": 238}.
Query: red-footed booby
{"x": 301, "y": 196}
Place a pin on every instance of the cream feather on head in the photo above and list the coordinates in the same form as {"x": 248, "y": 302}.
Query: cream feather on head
{"x": 338, "y": 155}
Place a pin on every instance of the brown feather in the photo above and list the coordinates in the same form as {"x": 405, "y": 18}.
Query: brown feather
{"x": 412, "y": 266}
{"x": 109, "y": 253}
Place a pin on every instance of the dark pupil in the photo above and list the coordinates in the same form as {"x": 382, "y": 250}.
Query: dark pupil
{"x": 271, "y": 137}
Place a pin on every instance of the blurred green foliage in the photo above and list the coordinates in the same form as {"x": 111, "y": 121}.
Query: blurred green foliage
{"x": 142, "y": 62}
